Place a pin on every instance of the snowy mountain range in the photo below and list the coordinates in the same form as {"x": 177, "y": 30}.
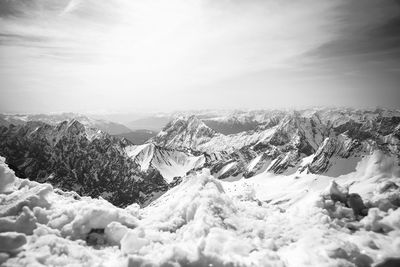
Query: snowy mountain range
{"x": 329, "y": 141}
{"x": 318, "y": 141}
{"x": 318, "y": 187}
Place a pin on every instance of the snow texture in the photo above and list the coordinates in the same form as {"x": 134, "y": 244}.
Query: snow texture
{"x": 267, "y": 220}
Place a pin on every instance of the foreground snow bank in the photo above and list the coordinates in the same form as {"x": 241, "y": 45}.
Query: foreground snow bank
{"x": 42, "y": 226}
{"x": 265, "y": 221}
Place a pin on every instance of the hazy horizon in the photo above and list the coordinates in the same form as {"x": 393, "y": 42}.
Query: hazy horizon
{"x": 125, "y": 56}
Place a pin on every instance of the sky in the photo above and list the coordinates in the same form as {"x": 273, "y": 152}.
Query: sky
{"x": 165, "y": 55}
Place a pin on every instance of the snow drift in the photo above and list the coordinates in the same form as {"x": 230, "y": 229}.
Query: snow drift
{"x": 267, "y": 220}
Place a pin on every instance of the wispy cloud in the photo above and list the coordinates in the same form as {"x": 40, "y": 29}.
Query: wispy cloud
{"x": 125, "y": 53}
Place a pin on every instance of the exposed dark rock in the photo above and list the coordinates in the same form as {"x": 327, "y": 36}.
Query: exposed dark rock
{"x": 75, "y": 158}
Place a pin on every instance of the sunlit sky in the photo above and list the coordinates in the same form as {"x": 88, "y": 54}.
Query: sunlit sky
{"x": 164, "y": 55}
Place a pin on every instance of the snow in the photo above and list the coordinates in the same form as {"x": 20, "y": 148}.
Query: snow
{"x": 227, "y": 167}
{"x": 25, "y": 222}
{"x": 114, "y": 232}
{"x": 7, "y": 177}
{"x": 267, "y": 220}
{"x": 176, "y": 164}
{"x": 11, "y": 241}
{"x": 307, "y": 160}
{"x": 133, "y": 151}
{"x": 254, "y": 162}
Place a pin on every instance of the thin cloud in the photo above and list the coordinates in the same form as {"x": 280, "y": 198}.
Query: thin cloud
{"x": 119, "y": 51}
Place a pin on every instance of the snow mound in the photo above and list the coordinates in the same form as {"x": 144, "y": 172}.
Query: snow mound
{"x": 266, "y": 220}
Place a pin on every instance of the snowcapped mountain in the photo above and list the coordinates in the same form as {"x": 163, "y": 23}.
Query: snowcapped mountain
{"x": 75, "y": 157}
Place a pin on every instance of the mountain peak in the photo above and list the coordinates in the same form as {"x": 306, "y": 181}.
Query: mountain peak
{"x": 71, "y": 126}
{"x": 184, "y": 132}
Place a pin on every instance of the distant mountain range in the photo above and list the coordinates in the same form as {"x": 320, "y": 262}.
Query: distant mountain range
{"x": 136, "y": 136}
{"x": 112, "y": 128}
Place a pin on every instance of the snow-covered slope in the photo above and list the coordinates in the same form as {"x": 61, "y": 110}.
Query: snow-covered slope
{"x": 266, "y": 220}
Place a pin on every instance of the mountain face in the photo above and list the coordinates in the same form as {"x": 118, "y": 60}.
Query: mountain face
{"x": 184, "y": 132}
{"x": 171, "y": 163}
{"x": 330, "y": 141}
{"x": 74, "y": 157}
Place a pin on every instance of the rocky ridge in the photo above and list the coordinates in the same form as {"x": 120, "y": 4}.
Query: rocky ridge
{"x": 74, "y": 157}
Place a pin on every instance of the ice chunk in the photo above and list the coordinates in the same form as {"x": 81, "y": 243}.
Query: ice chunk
{"x": 24, "y": 223}
{"x": 392, "y": 221}
{"x": 96, "y": 215}
{"x": 386, "y": 186}
{"x": 3, "y": 257}
{"x": 133, "y": 241}
{"x": 351, "y": 253}
{"x": 372, "y": 221}
{"x": 355, "y": 202}
{"x": 11, "y": 241}
{"x": 42, "y": 230}
{"x": 336, "y": 192}
{"x": 7, "y": 177}
{"x": 51, "y": 250}
{"x": 114, "y": 232}
{"x": 32, "y": 195}
{"x": 133, "y": 209}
